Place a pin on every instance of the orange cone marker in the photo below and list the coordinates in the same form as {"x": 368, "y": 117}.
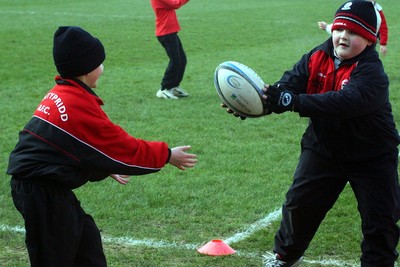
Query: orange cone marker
{"x": 216, "y": 247}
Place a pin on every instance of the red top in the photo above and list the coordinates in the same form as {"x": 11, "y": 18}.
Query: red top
{"x": 383, "y": 30}
{"x": 70, "y": 140}
{"x": 166, "y": 20}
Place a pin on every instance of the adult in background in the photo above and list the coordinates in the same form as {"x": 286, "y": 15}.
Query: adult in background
{"x": 167, "y": 28}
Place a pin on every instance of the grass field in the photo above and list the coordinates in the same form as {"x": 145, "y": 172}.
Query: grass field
{"x": 245, "y": 167}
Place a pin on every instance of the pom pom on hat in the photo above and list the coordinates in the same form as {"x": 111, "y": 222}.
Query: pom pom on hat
{"x": 76, "y": 52}
{"x": 358, "y": 16}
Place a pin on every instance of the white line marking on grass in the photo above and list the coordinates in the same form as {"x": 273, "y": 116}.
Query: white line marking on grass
{"x": 127, "y": 241}
{"x": 258, "y": 225}
{"x": 332, "y": 263}
{"x": 13, "y": 229}
{"x": 69, "y": 14}
{"x": 148, "y": 243}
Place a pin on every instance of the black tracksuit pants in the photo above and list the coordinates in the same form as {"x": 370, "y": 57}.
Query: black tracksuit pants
{"x": 58, "y": 231}
{"x": 317, "y": 183}
{"x": 177, "y": 60}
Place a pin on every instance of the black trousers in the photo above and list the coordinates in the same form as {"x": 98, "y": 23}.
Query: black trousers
{"x": 58, "y": 231}
{"x": 177, "y": 60}
{"x": 317, "y": 183}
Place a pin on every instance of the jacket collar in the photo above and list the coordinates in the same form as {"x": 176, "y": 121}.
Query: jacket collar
{"x": 77, "y": 83}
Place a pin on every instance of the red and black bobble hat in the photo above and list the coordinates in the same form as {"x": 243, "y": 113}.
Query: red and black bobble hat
{"x": 357, "y": 16}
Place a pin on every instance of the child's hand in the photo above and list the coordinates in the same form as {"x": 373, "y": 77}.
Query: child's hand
{"x": 230, "y": 111}
{"x": 182, "y": 160}
{"x": 383, "y": 50}
{"x": 120, "y": 178}
{"x": 322, "y": 25}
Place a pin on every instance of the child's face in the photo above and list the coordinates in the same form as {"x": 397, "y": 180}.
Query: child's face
{"x": 348, "y": 44}
{"x": 93, "y": 77}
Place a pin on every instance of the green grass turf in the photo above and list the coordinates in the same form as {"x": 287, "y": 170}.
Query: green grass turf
{"x": 244, "y": 167}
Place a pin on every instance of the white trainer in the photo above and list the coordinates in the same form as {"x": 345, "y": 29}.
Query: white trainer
{"x": 179, "y": 92}
{"x": 271, "y": 260}
{"x": 166, "y": 94}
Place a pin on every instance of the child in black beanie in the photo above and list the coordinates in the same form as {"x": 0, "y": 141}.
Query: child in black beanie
{"x": 68, "y": 142}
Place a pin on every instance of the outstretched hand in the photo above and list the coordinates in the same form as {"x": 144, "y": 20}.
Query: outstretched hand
{"x": 120, "y": 178}
{"x": 322, "y": 25}
{"x": 182, "y": 160}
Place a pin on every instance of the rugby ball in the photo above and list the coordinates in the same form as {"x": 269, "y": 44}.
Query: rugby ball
{"x": 240, "y": 88}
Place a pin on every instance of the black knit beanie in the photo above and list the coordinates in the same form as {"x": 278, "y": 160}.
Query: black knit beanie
{"x": 358, "y": 16}
{"x": 76, "y": 52}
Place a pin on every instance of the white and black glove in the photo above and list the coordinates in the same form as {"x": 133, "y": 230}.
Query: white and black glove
{"x": 280, "y": 100}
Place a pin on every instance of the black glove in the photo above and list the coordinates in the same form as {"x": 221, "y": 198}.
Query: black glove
{"x": 280, "y": 100}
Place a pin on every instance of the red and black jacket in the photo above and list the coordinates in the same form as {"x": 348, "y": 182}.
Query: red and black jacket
{"x": 70, "y": 140}
{"x": 349, "y": 109}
